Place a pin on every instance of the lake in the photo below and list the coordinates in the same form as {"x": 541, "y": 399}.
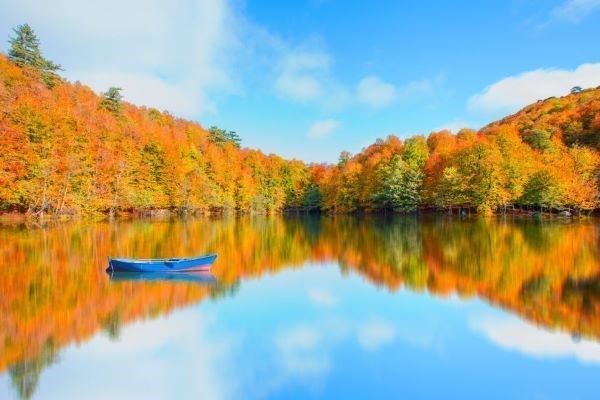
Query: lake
{"x": 304, "y": 307}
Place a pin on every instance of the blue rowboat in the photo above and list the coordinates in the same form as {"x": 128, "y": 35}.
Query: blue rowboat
{"x": 202, "y": 277}
{"x": 202, "y": 263}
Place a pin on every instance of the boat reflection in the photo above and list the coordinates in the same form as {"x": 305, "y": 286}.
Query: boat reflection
{"x": 203, "y": 277}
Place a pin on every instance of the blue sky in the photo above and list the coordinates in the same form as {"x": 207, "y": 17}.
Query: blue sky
{"x": 308, "y": 79}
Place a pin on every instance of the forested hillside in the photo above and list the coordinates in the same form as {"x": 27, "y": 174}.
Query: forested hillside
{"x": 573, "y": 120}
{"x": 545, "y": 156}
{"x": 68, "y": 151}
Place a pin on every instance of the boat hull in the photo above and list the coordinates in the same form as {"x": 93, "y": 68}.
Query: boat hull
{"x": 162, "y": 265}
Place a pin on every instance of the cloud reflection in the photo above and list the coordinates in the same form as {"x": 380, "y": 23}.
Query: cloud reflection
{"x": 514, "y": 334}
{"x": 301, "y": 351}
{"x": 322, "y": 297}
{"x": 375, "y": 334}
{"x": 152, "y": 359}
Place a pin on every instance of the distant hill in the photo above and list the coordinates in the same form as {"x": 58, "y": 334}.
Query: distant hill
{"x": 572, "y": 119}
{"x": 544, "y": 157}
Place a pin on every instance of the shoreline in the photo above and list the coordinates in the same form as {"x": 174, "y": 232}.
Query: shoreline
{"x": 166, "y": 214}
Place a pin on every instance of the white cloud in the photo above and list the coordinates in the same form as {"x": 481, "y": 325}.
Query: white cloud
{"x": 575, "y": 10}
{"x": 322, "y": 298}
{"x": 300, "y": 87}
{"x": 182, "y": 56}
{"x": 322, "y": 128}
{"x": 377, "y": 93}
{"x": 514, "y": 92}
{"x": 169, "y": 55}
{"x": 514, "y": 334}
{"x": 300, "y": 74}
{"x": 303, "y": 75}
{"x": 375, "y": 334}
{"x": 374, "y": 92}
{"x": 147, "y": 89}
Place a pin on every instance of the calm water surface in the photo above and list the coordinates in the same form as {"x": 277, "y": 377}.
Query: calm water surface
{"x": 304, "y": 308}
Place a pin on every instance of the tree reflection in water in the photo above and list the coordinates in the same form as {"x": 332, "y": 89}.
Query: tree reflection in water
{"x": 55, "y": 291}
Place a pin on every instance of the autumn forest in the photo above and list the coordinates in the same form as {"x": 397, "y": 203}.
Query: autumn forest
{"x": 67, "y": 151}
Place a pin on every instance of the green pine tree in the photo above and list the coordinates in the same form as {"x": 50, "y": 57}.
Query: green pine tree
{"x": 221, "y": 136}
{"x": 25, "y": 52}
{"x": 312, "y": 200}
{"x": 111, "y": 100}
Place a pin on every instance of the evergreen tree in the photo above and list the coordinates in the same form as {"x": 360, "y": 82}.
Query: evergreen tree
{"x": 344, "y": 158}
{"x": 221, "y": 136}
{"x": 576, "y": 89}
{"x": 312, "y": 198}
{"x": 111, "y": 100}
{"x": 25, "y": 51}
{"x": 234, "y": 138}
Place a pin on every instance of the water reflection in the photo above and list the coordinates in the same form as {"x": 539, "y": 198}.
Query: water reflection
{"x": 55, "y": 292}
{"x": 25, "y": 373}
{"x": 514, "y": 334}
{"x": 198, "y": 277}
